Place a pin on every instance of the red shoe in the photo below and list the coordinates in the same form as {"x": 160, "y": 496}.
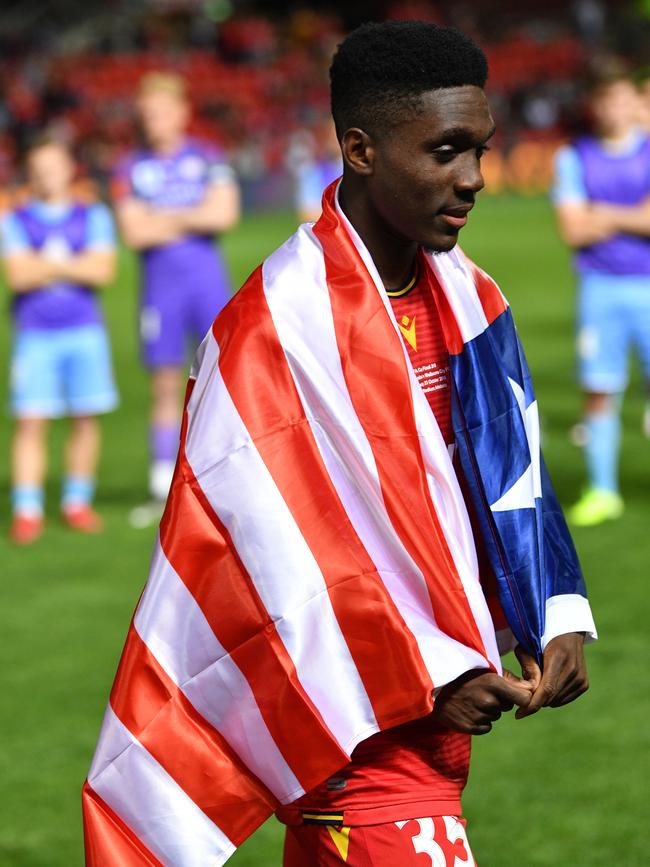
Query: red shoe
{"x": 25, "y": 529}
{"x": 83, "y": 519}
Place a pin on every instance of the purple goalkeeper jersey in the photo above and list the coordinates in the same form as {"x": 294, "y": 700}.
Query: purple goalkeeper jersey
{"x": 616, "y": 179}
{"x": 57, "y": 305}
{"x": 191, "y": 265}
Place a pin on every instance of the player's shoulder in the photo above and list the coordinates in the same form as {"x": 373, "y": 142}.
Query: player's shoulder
{"x": 206, "y": 159}
{"x": 133, "y": 168}
{"x": 127, "y": 160}
{"x": 20, "y": 202}
{"x": 568, "y": 183}
{"x": 475, "y": 290}
{"x": 473, "y": 270}
{"x": 12, "y": 213}
{"x": 295, "y": 264}
{"x": 11, "y": 217}
{"x": 14, "y": 229}
{"x": 97, "y": 211}
{"x": 569, "y": 156}
{"x": 203, "y": 147}
{"x": 24, "y": 210}
{"x": 642, "y": 141}
{"x": 290, "y": 270}
{"x": 570, "y": 149}
{"x": 586, "y": 145}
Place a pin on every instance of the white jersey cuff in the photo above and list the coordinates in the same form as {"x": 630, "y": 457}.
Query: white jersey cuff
{"x": 568, "y": 612}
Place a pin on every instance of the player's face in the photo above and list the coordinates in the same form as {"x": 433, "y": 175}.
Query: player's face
{"x": 426, "y": 171}
{"x": 616, "y": 108}
{"x": 164, "y": 117}
{"x": 50, "y": 171}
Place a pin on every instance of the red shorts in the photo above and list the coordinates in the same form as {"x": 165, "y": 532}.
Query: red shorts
{"x": 438, "y": 841}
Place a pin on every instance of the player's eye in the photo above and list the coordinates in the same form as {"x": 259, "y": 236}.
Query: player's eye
{"x": 444, "y": 154}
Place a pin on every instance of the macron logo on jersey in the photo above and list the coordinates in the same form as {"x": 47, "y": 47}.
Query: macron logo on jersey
{"x": 407, "y": 327}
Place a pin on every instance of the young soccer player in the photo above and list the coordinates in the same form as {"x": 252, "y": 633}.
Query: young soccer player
{"x": 57, "y": 254}
{"x": 602, "y": 202}
{"x": 172, "y": 196}
{"x": 361, "y": 433}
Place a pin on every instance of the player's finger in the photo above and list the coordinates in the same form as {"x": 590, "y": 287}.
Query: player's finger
{"x": 543, "y": 695}
{"x": 567, "y": 699}
{"x": 490, "y": 709}
{"x": 522, "y": 712}
{"x": 481, "y": 728}
{"x": 533, "y": 708}
{"x": 561, "y": 678}
{"x": 524, "y": 683}
{"x": 567, "y": 696}
{"x": 569, "y": 686}
{"x": 509, "y": 693}
{"x": 530, "y": 668}
{"x": 477, "y": 724}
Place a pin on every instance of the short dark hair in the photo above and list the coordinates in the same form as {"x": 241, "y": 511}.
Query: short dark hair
{"x": 608, "y": 73}
{"x": 379, "y": 68}
{"x": 44, "y": 139}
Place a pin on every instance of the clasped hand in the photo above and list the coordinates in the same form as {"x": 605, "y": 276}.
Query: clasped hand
{"x": 474, "y": 701}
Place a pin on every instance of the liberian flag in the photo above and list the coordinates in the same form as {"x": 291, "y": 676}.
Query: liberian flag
{"x": 315, "y": 576}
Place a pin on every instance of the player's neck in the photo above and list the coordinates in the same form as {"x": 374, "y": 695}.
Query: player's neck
{"x": 394, "y": 257}
{"x": 617, "y": 139}
{"x": 166, "y": 147}
{"x": 54, "y": 200}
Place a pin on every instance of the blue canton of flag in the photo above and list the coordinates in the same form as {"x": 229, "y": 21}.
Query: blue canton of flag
{"x": 497, "y": 433}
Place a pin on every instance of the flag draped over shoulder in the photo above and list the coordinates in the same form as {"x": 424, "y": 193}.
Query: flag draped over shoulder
{"x": 315, "y": 577}
{"x": 496, "y": 425}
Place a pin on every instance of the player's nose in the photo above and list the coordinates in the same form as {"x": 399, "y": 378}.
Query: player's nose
{"x": 468, "y": 178}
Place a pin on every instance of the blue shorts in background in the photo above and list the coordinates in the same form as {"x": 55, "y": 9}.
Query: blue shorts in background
{"x": 62, "y": 372}
{"x": 613, "y": 318}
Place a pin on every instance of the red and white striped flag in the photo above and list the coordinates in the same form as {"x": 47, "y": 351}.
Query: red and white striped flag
{"x": 315, "y": 576}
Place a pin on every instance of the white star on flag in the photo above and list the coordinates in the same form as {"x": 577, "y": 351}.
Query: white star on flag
{"x": 528, "y": 486}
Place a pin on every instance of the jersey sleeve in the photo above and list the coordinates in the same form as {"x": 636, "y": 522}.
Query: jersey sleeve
{"x": 101, "y": 228}
{"x": 13, "y": 237}
{"x": 568, "y": 184}
{"x": 219, "y": 170}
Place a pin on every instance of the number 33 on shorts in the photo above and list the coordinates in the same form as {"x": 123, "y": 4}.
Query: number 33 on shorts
{"x": 442, "y": 838}
{"x": 438, "y": 841}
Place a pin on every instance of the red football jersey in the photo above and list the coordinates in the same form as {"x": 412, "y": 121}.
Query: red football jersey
{"x": 419, "y": 768}
{"x": 417, "y": 316}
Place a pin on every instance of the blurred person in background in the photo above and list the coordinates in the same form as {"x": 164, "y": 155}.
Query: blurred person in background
{"x": 57, "y": 253}
{"x": 172, "y": 196}
{"x": 601, "y": 196}
{"x": 317, "y": 172}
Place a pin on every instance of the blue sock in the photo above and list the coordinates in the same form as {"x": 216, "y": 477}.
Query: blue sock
{"x": 601, "y": 451}
{"x": 27, "y": 500}
{"x": 77, "y": 491}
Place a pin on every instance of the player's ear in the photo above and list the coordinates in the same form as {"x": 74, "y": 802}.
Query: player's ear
{"x": 358, "y": 151}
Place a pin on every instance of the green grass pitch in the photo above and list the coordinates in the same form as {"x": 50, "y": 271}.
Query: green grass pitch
{"x": 568, "y": 787}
